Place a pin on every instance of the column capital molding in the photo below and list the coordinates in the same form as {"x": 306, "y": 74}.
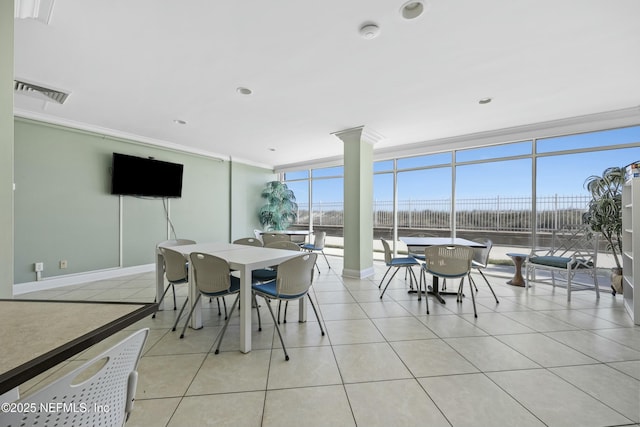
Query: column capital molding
{"x": 360, "y": 134}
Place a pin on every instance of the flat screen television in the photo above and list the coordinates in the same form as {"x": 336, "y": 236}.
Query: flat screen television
{"x": 138, "y": 176}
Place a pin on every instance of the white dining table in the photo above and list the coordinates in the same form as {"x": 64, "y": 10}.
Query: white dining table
{"x": 244, "y": 259}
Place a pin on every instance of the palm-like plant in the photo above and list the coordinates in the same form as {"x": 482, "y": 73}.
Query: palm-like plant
{"x": 605, "y": 208}
{"x": 281, "y": 208}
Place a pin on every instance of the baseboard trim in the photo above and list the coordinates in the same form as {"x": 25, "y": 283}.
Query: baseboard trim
{"x": 75, "y": 279}
{"x": 358, "y": 274}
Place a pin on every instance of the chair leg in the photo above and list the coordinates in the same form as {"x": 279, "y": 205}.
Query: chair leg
{"x": 489, "y": 285}
{"x": 175, "y": 325}
{"x": 161, "y": 299}
{"x": 184, "y": 328}
{"x": 595, "y": 283}
{"x": 383, "y": 277}
{"x": 473, "y": 294}
{"x": 255, "y": 302}
{"x": 315, "y": 311}
{"x": 286, "y": 306}
{"x": 325, "y": 258}
{"x": 224, "y": 303}
{"x": 226, "y": 323}
{"x": 173, "y": 288}
{"x": 218, "y": 301}
{"x": 387, "y": 285}
{"x": 286, "y": 355}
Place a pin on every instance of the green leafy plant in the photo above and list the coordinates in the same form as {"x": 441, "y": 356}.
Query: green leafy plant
{"x": 604, "y": 214}
{"x": 281, "y": 208}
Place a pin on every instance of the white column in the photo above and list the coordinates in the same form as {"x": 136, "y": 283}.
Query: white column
{"x": 358, "y": 200}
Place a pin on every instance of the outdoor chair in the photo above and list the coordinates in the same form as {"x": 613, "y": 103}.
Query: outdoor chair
{"x": 480, "y": 261}
{"x": 573, "y": 250}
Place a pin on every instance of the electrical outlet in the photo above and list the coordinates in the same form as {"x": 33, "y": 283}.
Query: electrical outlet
{"x": 38, "y": 266}
{"x": 63, "y": 264}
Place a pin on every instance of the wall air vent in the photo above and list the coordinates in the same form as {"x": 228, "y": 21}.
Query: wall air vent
{"x": 40, "y": 92}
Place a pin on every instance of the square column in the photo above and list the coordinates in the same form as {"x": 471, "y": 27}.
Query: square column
{"x": 358, "y": 201}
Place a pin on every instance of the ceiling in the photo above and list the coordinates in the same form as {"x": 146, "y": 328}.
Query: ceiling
{"x": 133, "y": 67}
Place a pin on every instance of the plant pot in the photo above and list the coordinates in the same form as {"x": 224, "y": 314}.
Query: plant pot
{"x": 616, "y": 280}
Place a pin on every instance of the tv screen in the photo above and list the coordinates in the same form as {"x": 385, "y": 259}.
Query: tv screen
{"x": 137, "y": 176}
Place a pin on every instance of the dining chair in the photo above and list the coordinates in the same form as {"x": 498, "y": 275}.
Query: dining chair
{"x": 480, "y": 261}
{"x": 397, "y": 263}
{"x": 176, "y": 272}
{"x": 99, "y": 392}
{"x": 291, "y": 246}
{"x": 293, "y": 281}
{"x": 319, "y": 238}
{"x": 449, "y": 262}
{"x": 248, "y": 241}
{"x": 212, "y": 277}
{"x": 274, "y": 237}
{"x": 168, "y": 244}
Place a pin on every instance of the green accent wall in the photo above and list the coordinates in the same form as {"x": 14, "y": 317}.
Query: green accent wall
{"x": 247, "y": 183}
{"x": 6, "y": 149}
{"x": 64, "y": 209}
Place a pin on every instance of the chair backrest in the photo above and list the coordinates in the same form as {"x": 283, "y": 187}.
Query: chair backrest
{"x": 318, "y": 239}
{"x": 274, "y": 237}
{"x": 481, "y": 255}
{"x": 283, "y": 244}
{"x": 105, "y": 398}
{"x": 448, "y": 260}
{"x": 578, "y": 242}
{"x": 295, "y": 275}
{"x": 175, "y": 242}
{"x": 175, "y": 265}
{"x": 387, "y": 251}
{"x": 249, "y": 241}
{"x": 210, "y": 273}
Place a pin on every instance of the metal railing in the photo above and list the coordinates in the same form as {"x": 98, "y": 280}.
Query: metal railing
{"x": 493, "y": 213}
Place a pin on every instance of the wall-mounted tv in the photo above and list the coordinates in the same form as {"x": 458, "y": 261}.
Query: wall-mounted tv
{"x": 138, "y": 176}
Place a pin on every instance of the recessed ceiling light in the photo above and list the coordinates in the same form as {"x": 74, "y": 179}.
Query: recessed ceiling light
{"x": 369, "y": 31}
{"x": 412, "y": 9}
{"x": 180, "y": 122}
{"x": 244, "y": 91}
{"x": 485, "y": 101}
{"x": 272, "y": 149}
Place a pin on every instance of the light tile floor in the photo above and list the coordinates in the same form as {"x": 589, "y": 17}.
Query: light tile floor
{"x": 531, "y": 360}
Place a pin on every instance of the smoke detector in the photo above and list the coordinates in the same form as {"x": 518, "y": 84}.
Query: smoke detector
{"x": 369, "y": 31}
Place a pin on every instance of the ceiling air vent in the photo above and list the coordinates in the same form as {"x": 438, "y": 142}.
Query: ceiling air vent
{"x": 40, "y": 92}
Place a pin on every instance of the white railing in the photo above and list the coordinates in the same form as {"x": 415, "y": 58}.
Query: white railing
{"x": 494, "y": 213}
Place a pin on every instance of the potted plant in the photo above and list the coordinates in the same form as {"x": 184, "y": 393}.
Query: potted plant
{"x": 281, "y": 208}
{"x": 604, "y": 214}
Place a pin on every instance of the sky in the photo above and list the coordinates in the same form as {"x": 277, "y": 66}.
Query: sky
{"x": 563, "y": 174}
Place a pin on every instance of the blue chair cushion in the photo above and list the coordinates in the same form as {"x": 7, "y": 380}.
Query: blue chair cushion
{"x": 308, "y": 246}
{"x": 550, "y": 261}
{"x": 269, "y": 289}
{"x": 235, "y": 287}
{"x": 559, "y": 262}
{"x": 263, "y": 275}
{"x": 403, "y": 262}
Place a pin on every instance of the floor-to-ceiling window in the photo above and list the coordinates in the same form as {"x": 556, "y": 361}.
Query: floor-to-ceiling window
{"x": 494, "y": 191}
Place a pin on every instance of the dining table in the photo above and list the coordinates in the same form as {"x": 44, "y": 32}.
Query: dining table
{"x": 243, "y": 260}
{"x": 416, "y": 246}
{"x": 39, "y": 334}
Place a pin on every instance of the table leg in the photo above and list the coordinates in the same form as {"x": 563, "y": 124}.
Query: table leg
{"x": 196, "y": 317}
{"x": 517, "y": 279}
{"x": 302, "y": 309}
{"x": 245, "y": 310}
{"x": 159, "y": 278}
